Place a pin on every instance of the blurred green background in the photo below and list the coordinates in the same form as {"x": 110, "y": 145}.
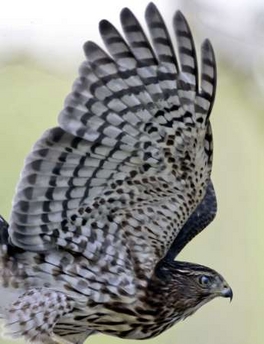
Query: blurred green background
{"x": 32, "y": 95}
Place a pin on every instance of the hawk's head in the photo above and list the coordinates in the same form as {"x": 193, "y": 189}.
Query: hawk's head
{"x": 189, "y": 286}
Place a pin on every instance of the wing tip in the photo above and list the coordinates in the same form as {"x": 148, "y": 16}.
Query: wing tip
{"x": 151, "y": 10}
{"x": 181, "y": 27}
{"x": 207, "y": 46}
{"x": 89, "y": 48}
{"x": 208, "y": 54}
{"x": 126, "y": 14}
{"x": 179, "y": 17}
{"x": 105, "y": 26}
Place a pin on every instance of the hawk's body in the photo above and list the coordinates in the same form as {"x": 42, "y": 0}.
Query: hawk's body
{"x": 103, "y": 203}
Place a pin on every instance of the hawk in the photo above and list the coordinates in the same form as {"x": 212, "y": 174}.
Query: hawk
{"x": 109, "y": 197}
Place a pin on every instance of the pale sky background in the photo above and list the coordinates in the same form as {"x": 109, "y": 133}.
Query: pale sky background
{"x": 53, "y": 32}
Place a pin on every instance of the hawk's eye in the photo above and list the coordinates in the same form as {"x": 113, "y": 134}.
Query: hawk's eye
{"x": 204, "y": 280}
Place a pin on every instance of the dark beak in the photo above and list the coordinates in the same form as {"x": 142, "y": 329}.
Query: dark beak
{"x": 227, "y": 292}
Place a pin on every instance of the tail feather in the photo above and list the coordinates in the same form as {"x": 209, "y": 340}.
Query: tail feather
{"x": 34, "y": 314}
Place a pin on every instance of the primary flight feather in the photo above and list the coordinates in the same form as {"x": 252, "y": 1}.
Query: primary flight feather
{"x": 108, "y": 199}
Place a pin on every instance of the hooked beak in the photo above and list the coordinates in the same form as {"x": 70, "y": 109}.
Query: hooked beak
{"x": 227, "y": 292}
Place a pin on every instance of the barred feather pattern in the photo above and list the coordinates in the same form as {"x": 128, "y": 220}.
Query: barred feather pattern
{"x": 103, "y": 196}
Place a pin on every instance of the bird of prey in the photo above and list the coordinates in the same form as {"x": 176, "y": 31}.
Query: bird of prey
{"x": 109, "y": 197}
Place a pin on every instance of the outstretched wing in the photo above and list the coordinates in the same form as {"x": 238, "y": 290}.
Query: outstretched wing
{"x": 132, "y": 156}
{"x": 202, "y": 216}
